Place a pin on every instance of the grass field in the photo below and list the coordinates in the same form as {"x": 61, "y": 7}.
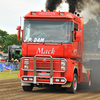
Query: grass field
{"x": 9, "y": 75}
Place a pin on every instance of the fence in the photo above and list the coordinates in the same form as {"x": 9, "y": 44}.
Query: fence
{"x": 1, "y": 68}
{"x": 8, "y": 67}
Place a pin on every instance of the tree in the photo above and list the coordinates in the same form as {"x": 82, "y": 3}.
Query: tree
{"x": 11, "y": 40}
{"x": 3, "y": 36}
{"x": 91, "y": 35}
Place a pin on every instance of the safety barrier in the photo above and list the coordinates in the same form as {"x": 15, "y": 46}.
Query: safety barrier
{"x": 1, "y": 68}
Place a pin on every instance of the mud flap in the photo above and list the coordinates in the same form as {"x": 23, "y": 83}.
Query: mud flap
{"x": 67, "y": 85}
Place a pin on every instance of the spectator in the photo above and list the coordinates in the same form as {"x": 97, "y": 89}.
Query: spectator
{"x": 16, "y": 64}
{"x": 12, "y": 60}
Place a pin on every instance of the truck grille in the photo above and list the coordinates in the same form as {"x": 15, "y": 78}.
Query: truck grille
{"x": 41, "y": 65}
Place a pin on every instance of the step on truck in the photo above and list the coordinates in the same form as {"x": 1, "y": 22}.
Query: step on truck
{"x": 52, "y": 51}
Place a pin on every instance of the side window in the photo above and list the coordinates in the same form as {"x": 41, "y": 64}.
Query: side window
{"x": 75, "y": 26}
{"x": 71, "y": 36}
{"x": 75, "y": 29}
{"x": 69, "y": 30}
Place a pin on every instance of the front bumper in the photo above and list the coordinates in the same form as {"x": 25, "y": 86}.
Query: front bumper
{"x": 44, "y": 79}
{"x": 62, "y": 80}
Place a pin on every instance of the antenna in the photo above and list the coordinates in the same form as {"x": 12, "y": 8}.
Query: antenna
{"x": 20, "y": 25}
{"x": 20, "y": 20}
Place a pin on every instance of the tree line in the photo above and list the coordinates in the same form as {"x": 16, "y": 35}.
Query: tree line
{"x": 91, "y": 35}
{"x": 7, "y": 39}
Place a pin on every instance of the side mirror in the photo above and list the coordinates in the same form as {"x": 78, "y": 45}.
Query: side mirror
{"x": 78, "y": 36}
{"x": 18, "y": 34}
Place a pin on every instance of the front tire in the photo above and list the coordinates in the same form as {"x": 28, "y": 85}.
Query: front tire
{"x": 73, "y": 87}
{"x": 28, "y": 88}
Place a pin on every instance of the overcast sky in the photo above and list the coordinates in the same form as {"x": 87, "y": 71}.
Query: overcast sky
{"x": 12, "y": 10}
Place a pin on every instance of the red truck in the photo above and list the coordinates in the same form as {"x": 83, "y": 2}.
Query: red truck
{"x": 52, "y": 51}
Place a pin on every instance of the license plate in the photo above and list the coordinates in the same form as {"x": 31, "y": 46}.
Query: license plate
{"x": 43, "y": 73}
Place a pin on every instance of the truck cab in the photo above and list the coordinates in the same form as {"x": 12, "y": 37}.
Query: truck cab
{"x": 52, "y": 50}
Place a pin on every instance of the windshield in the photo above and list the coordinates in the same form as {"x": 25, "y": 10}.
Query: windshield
{"x": 48, "y": 31}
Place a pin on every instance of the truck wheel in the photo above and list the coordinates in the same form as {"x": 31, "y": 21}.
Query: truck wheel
{"x": 89, "y": 84}
{"x": 73, "y": 87}
{"x": 27, "y": 88}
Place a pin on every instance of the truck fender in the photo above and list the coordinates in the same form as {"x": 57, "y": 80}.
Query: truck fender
{"x": 75, "y": 70}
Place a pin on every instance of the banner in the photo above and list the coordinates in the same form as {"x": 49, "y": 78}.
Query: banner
{"x": 9, "y": 68}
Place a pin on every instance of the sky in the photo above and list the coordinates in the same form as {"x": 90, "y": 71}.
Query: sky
{"x": 12, "y": 10}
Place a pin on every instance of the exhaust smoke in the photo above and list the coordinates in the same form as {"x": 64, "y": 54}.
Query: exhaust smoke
{"x": 75, "y": 5}
{"x": 52, "y": 4}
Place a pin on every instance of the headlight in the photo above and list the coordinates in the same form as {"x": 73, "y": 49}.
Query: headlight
{"x": 26, "y": 66}
{"x": 26, "y": 62}
{"x": 62, "y": 80}
{"x": 63, "y": 65}
{"x": 25, "y": 79}
{"x": 30, "y": 79}
{"x": 62, "y": 68}
{"x": 57, "y": 80}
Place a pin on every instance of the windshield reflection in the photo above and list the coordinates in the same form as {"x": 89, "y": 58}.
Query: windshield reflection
{"x": 48, "y": 31}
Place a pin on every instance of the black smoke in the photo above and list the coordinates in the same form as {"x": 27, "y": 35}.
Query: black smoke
{"x": 52, "y": 4}
{"x": 74, "y": 5}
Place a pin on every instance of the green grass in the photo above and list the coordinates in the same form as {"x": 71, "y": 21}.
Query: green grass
{"x": 9, "y": 75}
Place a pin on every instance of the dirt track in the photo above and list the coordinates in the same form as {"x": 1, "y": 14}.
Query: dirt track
{"x": 11, "y": 90}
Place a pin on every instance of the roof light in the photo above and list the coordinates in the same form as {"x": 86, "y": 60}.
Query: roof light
{"x": 54, "y": 11}
{"x": 61, "y": 13}
{"x": 74, "y": 17}
{"x": 42, "y": 11}
{"x": 48, "y": 11}
{"x": 33, "y": 13}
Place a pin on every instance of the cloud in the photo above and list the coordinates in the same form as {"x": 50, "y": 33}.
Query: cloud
{"x": 11, "y": 10}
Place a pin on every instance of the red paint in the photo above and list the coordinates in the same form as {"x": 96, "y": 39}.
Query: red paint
{"x": 72, "y": 52}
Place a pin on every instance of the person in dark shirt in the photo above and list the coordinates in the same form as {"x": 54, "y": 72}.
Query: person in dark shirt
{"x": 12, "y": 60}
